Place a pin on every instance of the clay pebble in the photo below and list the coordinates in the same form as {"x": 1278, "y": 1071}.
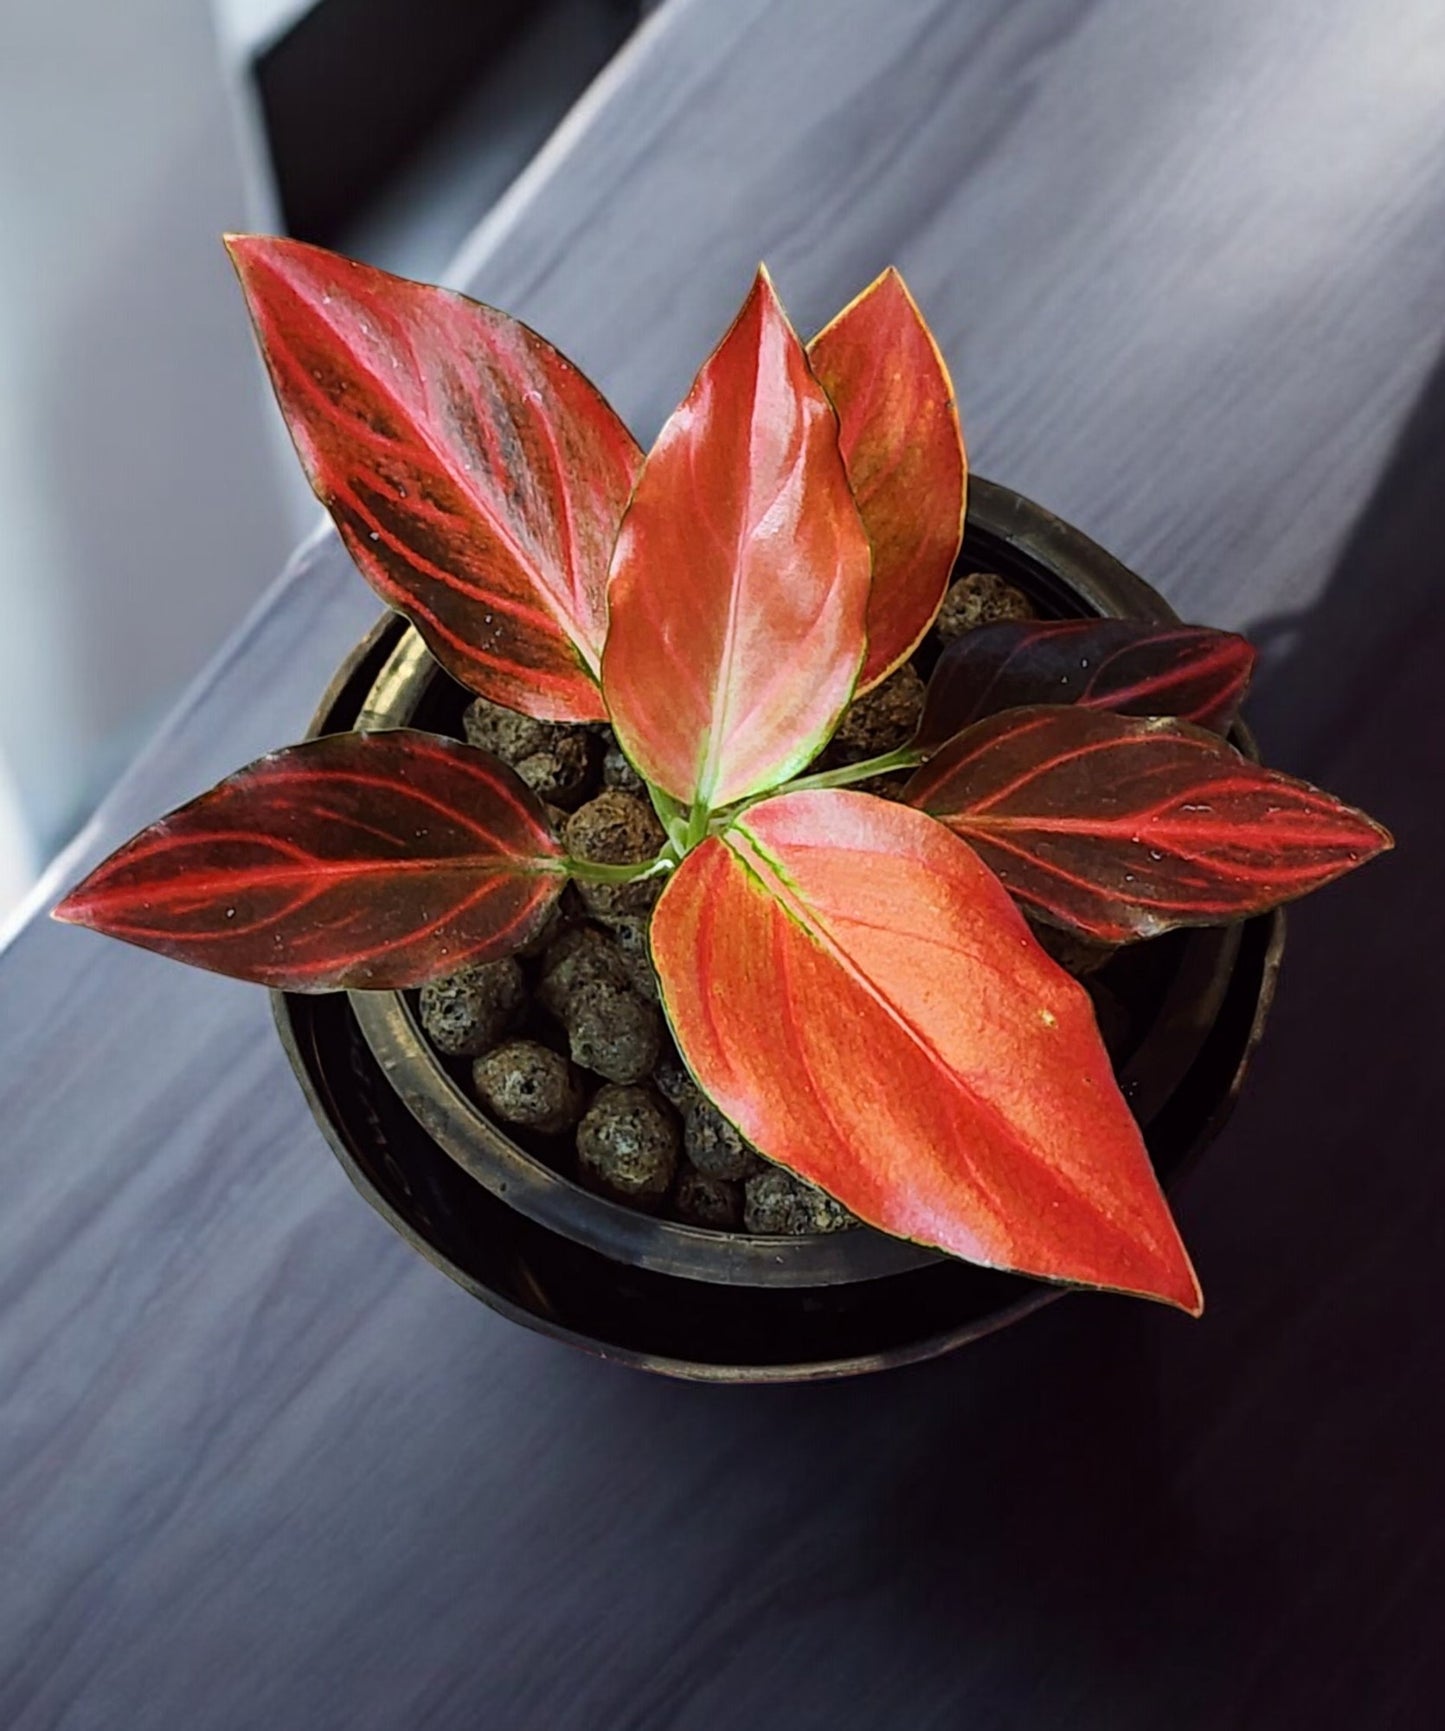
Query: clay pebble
{"x": 554, "y": 759}
{"x": 611, "y": 1031}
{"x": 526, "y": 1083}
{"x": 467, "y": 1012}
{"x": 618, "y": 772}
{"x": 778, "y": 1203}
{"x": 881, "y": 720}
{"x": 632, "y": 941}
{"x": 616, "y": 828}
{"x": 673, "y": 1082}
{"x": 980, "y": 598}
{"x": 715, "y": 1146}
{"x": 580, "y": 955}
{"x": 703, "y": 1201}
{"x": 627, "y": 1144}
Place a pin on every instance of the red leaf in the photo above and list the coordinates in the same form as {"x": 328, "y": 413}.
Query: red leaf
{"x": 857, "y": 993}
{"x": 1122, "y": 828}
{"x": 899, "y": 433}
{"x": 741, "y": 576}
{"x": 476, "y": 477}
{"x": 357, "y": 860}
{"x": 1125, "y": 665}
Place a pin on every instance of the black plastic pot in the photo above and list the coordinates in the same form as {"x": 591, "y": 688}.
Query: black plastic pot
{"x": 534, "y": 1244}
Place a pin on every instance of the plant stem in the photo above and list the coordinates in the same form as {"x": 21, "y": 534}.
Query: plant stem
{"x": 596, "y": 872}
{"x": 687, "y": 827}
{"x": 669, "y": 814}
{"x": 697, "y": 821}
{"x": 906, "y": 757}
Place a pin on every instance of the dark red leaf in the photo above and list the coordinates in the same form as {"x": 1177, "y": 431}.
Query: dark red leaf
{"x": 740, "y": 582}
{"x": 898, "y": 431}
{"x": 477, "y": 478}
{"x": 1125, "y": 665}
{"x": 1121, "y": 828}
{"x": 860, "y": 997}
{"x": 357, "y": 860}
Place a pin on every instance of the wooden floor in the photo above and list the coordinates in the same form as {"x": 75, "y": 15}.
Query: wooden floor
{"x": 263, "y": 1467}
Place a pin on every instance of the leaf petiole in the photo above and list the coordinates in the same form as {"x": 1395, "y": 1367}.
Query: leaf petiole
{"x": 597, "y": 872}
{"x": 906, "y": 757}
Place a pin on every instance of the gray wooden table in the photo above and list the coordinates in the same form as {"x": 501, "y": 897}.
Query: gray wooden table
{"x": 264, "y": 1467}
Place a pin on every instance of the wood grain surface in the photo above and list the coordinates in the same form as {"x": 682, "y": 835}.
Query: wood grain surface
{"x": 263, "y": 1467}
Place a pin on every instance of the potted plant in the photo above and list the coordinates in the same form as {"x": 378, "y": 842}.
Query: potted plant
{"x": 715, "y": 869}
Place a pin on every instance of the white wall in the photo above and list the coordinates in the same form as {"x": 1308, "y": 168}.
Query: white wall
{"x": 146, "y": 494}
{"x": 249, "y": 25}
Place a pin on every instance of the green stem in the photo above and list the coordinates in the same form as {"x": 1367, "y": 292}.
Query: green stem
{"x": 596, "y": 872}
{"x": 906, "y": 757}
{"x": 696, "y": 830}
{"x": 669, "y": 814}
{"x": 686, "y": 828}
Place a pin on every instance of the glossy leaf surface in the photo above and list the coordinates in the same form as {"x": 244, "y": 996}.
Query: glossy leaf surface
{"x": 858, "y": 994}
{"x": 899, "y": 433}
{"x": 1122, "y": 828}
{"x": 741, "y": 577}
{"x": 357, "y": 860}
{"x": 476, "y": 477}
{"x": 1125, "y": 665}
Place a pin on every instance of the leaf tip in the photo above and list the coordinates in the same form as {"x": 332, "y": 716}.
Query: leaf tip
{"x": 892, "y": 279}
{"x": 765, "y": 291}
{"x": 1382, "y": 838}
{"x": 1190, "y": 1299}
{"x": 1368, "y": 839}
{"x": 247, "y": 253}
{"x": 1169, "y": 1280}
{"x": 253, "y": 254}
{"x": 241, "y": 247}
{"x": 1175, "y": 1283}
{"x": 75, "y": 909}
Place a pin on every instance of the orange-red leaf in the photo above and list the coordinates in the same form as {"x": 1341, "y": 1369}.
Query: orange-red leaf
{"x": 477, "y": 478}
{"x": 901, "y": 443}
{"x": 856, "y": 991}
{"x": 361, "y": 859}
{"x": 740, "y": 581}
{"x": 1121, "y": 828}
